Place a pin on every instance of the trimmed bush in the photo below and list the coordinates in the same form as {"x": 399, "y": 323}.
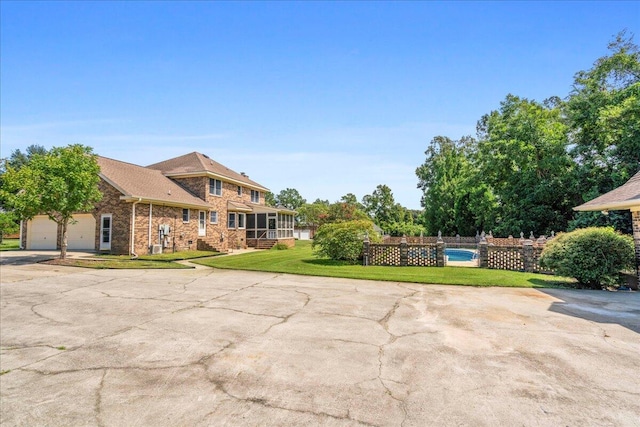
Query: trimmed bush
{"x": 343, "y": 240}
{"x": 595, "y": 256}
{"x": 280, "y": 246}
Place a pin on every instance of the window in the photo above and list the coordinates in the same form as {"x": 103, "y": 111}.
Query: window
{"x": 215, "y": 187}
{"x": 241, "y": 217}
{"x": 231, "y": 223}
{"x": 239, "y": 190}
{"x": 185, "y": 215}
{"x": 255, "y": 196}
{"x": 213, "y": 217}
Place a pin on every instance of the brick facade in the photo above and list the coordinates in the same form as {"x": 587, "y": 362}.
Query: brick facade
{"x": 120, "y": 220}
{"x": 219, "y": 235}
{"x": 149, "y": 218}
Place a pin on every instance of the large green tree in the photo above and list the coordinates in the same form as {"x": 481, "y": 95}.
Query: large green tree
{"x": 455, "y": 199}
{"x": 380, "y": 205}
{"x": 58, "y": 184}
{"x": 8, "y": 224}
{"x": 290, "y": 198}
{"x": 603, "y": 114}
{"x": 312, "y": 215}
{"x": 522, "y": 155}
{"x": 392, "y": 217}
{"x": 19, "y": 159}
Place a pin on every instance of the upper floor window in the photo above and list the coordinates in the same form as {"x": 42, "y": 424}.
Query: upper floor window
{"x": 255, "y": 196}
{"x": 185, "y": 215}
{"x": 239, "y": 190}
{"x": 215, "y": 187}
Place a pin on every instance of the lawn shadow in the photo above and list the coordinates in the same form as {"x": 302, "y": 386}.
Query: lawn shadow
{"x": 328, "y": 262}
{"x": 541, "y": 283}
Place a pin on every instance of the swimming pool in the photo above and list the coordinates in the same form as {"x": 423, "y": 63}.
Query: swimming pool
{"x": 460, "y": 254}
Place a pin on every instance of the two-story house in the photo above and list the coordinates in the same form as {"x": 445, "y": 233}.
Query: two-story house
{"x": 187, "y": 202}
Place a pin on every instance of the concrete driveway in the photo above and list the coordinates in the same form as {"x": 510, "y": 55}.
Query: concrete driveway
{"x": 210, "y": 347}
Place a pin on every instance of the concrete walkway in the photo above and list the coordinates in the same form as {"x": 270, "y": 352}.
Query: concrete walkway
{"x": 207, "y": 347}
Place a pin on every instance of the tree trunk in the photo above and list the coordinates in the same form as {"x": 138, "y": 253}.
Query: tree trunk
{"x": 63, "y": 244}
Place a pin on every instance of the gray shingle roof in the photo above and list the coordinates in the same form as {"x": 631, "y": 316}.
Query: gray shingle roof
{"x": 626, "y": 196}
{"x": 148, "y": 184}
{"x": 200, "y": 164}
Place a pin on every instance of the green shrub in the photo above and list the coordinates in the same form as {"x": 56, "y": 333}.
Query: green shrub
{"x": 594, "y": 256}
{"x": 343, "y": 240}
{"x": 280, "y": 246}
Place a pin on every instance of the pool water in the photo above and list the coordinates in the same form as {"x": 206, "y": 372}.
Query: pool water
{"x": 460, "y": 255}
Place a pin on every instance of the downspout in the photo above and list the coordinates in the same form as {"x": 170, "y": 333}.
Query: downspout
{"x": 21, "y": 222}
{"x": 132, "y": 251}
{"x": 150, "y": 219}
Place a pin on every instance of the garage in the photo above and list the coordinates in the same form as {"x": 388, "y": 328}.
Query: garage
{"x": 81, "y": 235}
{"x": 41, "y": 233}
{"x": 302, "y": 234}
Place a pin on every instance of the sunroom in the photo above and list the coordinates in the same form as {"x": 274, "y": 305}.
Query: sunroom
{"x": 267, "y": 226}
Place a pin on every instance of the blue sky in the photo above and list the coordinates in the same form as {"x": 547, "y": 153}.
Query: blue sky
{"x": 328, "y": 98}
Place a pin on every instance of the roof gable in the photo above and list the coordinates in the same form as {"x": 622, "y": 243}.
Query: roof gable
{"x": 627, "y": 196}
{"x": 194, "y": 164}
{"x": 148, "y": 184}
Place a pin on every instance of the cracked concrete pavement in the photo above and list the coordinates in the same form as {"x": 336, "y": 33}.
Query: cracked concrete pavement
{"x": 208, "y": 347}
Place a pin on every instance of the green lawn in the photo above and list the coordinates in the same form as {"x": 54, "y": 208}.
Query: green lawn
{"x": 10, "y": 245}
{"x": 167, "y": 256}
{"x": 125, "y": 264}
{"x": 158, "y": 261}
{"x": 300, "y": 260}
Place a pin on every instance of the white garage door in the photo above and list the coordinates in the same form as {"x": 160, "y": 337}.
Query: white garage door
{"x": 303, "y": 234}
{"x": 41, "y": 233}
{"x": 82, "y": 234}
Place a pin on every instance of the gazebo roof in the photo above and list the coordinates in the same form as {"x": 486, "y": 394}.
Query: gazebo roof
{"x": 627, "y": 196}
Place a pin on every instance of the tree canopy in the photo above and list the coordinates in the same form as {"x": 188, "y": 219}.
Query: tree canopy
{"x": 58, "y": 184}
{"x": 290, "y": 198}
{"x": 533, "y": 162}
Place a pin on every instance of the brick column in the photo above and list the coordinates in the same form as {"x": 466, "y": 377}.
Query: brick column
{"x": 483, "y": 254}
{"x": 404, "y": 252}
{"x": 365, "y": 251}
{"x": 441, "y": 259}
{"x": 635, "y": 221}
{"x": 527, "y": 256}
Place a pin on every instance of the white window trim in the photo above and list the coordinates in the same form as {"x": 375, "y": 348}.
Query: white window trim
{"x": 104, "y": 246}
{"x": 188, "y": 215}
{"x": 244, "y": 221}
{"x": 235, "y": 221}
{"x": 213, "y": 222}
{"x": 257, "y": 199}
{"x": 213, "y": 187}
{"x": 202, "y": 223}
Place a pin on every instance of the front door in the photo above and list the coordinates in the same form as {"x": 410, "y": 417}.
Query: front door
{"x": 202, "y": 223}
{"x": 105, "y": 232}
